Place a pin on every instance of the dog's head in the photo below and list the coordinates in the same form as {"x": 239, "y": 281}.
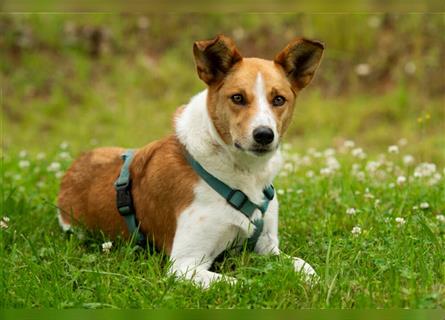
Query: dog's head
{"x": 251, "y": 100}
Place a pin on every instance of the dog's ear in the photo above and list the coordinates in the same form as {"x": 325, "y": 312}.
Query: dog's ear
{"x": 300, "y": 59}
{"x": 214, "y": 58}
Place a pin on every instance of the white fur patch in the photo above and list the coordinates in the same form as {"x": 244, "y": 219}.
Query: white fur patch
{"x": 65, "y": 226}
{"x": 264, "y": 116}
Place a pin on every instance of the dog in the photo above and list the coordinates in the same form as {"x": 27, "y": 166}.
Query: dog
{"x": 232, "y": 130}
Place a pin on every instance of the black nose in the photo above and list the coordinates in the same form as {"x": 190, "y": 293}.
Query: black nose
{"x": 263, "y": 135}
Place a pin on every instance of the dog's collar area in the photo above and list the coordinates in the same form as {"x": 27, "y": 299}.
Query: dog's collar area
{"x": 236, "y": 198}
{"x": 124, "y": 200}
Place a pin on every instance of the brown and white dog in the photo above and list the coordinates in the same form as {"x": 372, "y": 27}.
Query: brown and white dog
{"x": 233, "y": 129}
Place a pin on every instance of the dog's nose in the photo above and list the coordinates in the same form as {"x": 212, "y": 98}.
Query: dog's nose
{"x": 263, "y": 135}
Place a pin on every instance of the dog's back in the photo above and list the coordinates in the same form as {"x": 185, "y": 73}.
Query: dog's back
{"x": 162, "y": 185}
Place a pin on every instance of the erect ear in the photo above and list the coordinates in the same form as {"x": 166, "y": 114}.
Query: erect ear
{"x": 300, "y": 59}
{"x": 214, "y": 58}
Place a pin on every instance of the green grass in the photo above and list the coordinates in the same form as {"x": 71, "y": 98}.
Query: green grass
{"x": 58, "y": 84}
{"x": 386, "y": 265}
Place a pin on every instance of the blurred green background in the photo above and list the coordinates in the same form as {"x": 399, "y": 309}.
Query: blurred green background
{"x": 116, "y": 79}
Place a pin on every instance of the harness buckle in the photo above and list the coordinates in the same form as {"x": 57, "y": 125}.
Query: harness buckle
{"x": 124, "y": 201}
{"x": 269, "y": 192}
{"x": 237, "y": 199}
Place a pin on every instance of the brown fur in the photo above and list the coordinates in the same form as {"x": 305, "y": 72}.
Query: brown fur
{"x": 162, "y": 186}
{"x": 231, "y": 120}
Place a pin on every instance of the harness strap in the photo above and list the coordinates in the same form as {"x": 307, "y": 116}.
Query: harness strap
{"x": 237, "y": 199}
{"x": 124, "y": 200}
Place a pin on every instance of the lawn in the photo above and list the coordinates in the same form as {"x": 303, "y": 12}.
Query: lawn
{"x": 362, "y": 192}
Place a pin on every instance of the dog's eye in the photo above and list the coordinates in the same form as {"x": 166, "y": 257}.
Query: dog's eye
{"x": 278, "y": 101}
{"x": 238, "y": 99}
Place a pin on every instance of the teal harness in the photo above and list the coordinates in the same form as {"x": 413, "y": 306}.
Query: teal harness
{"x": 234, "y": 197}
{"x": 124, "y": 200}
{"x": 237, "y": 199}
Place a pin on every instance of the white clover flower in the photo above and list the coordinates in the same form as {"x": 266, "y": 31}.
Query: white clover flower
{"x": 3, "y": 225}
{"x": 23, "y": 153}
{"x": 408, "y": 159}
{"x": 24, "y": 164}
{"x": 288, "y": 166}
{"x": 372, "y": 166}
{"x": 402, "y": 142}
{"x": 368, "y": 195}
{"x": 54, "y": 167}
{"x": 435, "y": 179}
{"x": 329, "y": 152}
{"x": 393, "y": 149}
{"x": 424, "y": 169}
{"x": 356, "y": 230}
{"x": 332, "y": 163}
{"x": 415, "y": 208}
{"x": 362, "y": 69}
{"x": 326, "y": 171}
{"x": 280, "y": 191}
{"x": 59, "y": 174}
{"x": 360, "y": 176}
{"x": 351, "y": 211}
{"x": 377, "y": 202}
{"x": 400, "y": 221}
{"x": 349, "y": 144}
{"x": 401, "y": 180}
{"x": 64, "y": 155}
{"x": 106, "y": 246}
{"x": 41, "y": 156}
{"x": 306, "y": 160}
{"x": 440, "y": 218}
{"x": 6, "y": 219}
{"x": 64, "y": 145}
{"x": 410, "y": 67}
{"x": 358, "y": 153}
{"x": 310, "y": 174}
{"x": 424, "y": 205}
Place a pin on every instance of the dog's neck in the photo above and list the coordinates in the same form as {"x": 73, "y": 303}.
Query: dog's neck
{"x": 246, "y": 172}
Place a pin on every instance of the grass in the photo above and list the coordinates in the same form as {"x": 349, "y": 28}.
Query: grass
{"x": 388, "y": 264}
{"x": 59, "y": 84}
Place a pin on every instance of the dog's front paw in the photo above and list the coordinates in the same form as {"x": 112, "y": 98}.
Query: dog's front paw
{"x": 305, "y": 269}
{"x": 206, "y": 279}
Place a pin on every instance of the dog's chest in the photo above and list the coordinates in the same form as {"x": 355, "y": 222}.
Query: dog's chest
{"x": 211, "y": 218}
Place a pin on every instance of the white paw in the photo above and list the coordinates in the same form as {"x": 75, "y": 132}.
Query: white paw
{"x": 204, "y": 279}
{"x": 305, "y": 269}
